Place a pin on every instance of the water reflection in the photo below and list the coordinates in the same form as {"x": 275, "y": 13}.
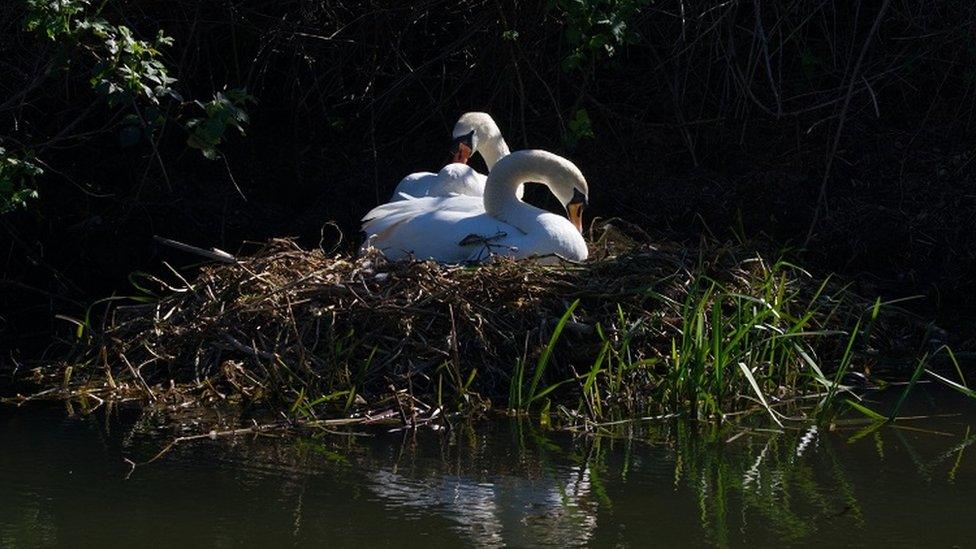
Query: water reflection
{"x": 496, "y": 497}
{"x": 500, "y": 484}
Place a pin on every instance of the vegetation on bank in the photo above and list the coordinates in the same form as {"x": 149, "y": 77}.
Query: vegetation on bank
{"x": 716, "y": 332}
{"x": 709, "y": 113}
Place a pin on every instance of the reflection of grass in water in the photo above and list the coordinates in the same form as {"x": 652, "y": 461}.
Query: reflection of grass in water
{"x": 805, "y": 482}
{"x": 770, "y": 483}
{"x": 572, "y": 490}
{"x": 920, "y": 466}
{"x": 597, "y": 466}
{"x": 783, "y": 486}
{"x": 958, "y": 450}
{"x": 779, "y": 487}
{"x": 846, "y": 487}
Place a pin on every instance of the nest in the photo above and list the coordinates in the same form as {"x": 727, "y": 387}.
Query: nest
{"x": 287, "y": 315}
{"x": 361, "y": 338}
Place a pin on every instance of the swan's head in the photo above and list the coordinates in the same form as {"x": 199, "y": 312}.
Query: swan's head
{"x": 472, "y": 129}
{"x": 575, "y": 208}
{"x": 562, "y": 177}
{"x": 569, "y": 186}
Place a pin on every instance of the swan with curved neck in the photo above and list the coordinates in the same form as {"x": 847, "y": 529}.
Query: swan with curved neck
{"x": 477, "y": 132}
{"x": 464, "y": 228}
{"x": 474, "y": 132}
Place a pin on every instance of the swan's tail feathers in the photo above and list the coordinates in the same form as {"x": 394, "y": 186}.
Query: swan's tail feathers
{"x": 385, "y": 210}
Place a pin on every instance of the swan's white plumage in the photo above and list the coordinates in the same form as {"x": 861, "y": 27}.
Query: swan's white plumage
{"x": 452, "y": 179}
{"x": 441, "y": 227}
{"x": 486, "y": 140}
{"x": 434, "y": 227}
{"x": 415, "y": 184}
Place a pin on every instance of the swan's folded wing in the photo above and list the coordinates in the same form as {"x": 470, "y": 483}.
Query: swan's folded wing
{"x": 380, "y": 219}
{"x": 430, "y": 227}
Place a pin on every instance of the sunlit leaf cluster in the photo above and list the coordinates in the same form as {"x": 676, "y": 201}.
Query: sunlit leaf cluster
{"x": 595, "y": 29}
{"x": 225, "y": 111}
{"x": 16, "y": 180}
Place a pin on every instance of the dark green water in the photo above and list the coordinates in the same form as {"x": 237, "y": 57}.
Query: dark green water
{"x": 63, "y": 483}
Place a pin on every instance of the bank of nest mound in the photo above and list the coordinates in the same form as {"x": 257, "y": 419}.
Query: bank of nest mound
{"x": 707, "y": 331}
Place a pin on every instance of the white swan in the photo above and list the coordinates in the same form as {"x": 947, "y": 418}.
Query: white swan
{"x": 474, "y": 132}
{"x": 463, "y": 228}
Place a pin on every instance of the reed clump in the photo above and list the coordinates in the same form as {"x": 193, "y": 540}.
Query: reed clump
{"x": 710, "y": 331}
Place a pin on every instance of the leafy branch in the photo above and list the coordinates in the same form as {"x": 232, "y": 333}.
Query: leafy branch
{"x": 16, "y": 180}
{"x": 128, "y": 72}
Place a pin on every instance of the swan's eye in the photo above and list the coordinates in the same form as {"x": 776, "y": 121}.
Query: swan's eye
{"x": 575, "y": 209}
{"x": 578, "y": 198}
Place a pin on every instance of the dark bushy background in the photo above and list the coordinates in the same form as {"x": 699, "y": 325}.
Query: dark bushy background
{"x": 713, "y": 118}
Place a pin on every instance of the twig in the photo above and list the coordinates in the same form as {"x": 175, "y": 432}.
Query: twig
{"x": 215, "y": 254}
{"x": 255, "y": 429}
{"x": 822, "y": 195}
{"x": 136, "y": 374}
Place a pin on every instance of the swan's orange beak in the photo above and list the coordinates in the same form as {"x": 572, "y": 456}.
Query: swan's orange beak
{"x": 575, "y": 209}
{"x": 462, "y": 147}
{"x": 461, "y": 153}
{"x": 575, "y": 212}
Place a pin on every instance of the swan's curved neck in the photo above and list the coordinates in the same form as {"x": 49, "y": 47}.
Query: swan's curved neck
{"x": 501, "y": 200}
{"x": 493, "y": 150}
{"x": 501, "y": 190}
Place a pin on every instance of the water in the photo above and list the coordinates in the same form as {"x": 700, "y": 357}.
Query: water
{"x": 63, "y": 483}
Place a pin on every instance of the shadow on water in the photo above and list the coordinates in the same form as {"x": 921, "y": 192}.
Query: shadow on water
{"x": 493, "y": 484}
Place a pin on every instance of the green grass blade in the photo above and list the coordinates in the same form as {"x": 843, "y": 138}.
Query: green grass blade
{"x": 755, "y": 387}
{"x": 543, "y": 362}
{"x": 908, "y": 388}
{"x": 961, "y": 388}
{"x": 865, "y": 410}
